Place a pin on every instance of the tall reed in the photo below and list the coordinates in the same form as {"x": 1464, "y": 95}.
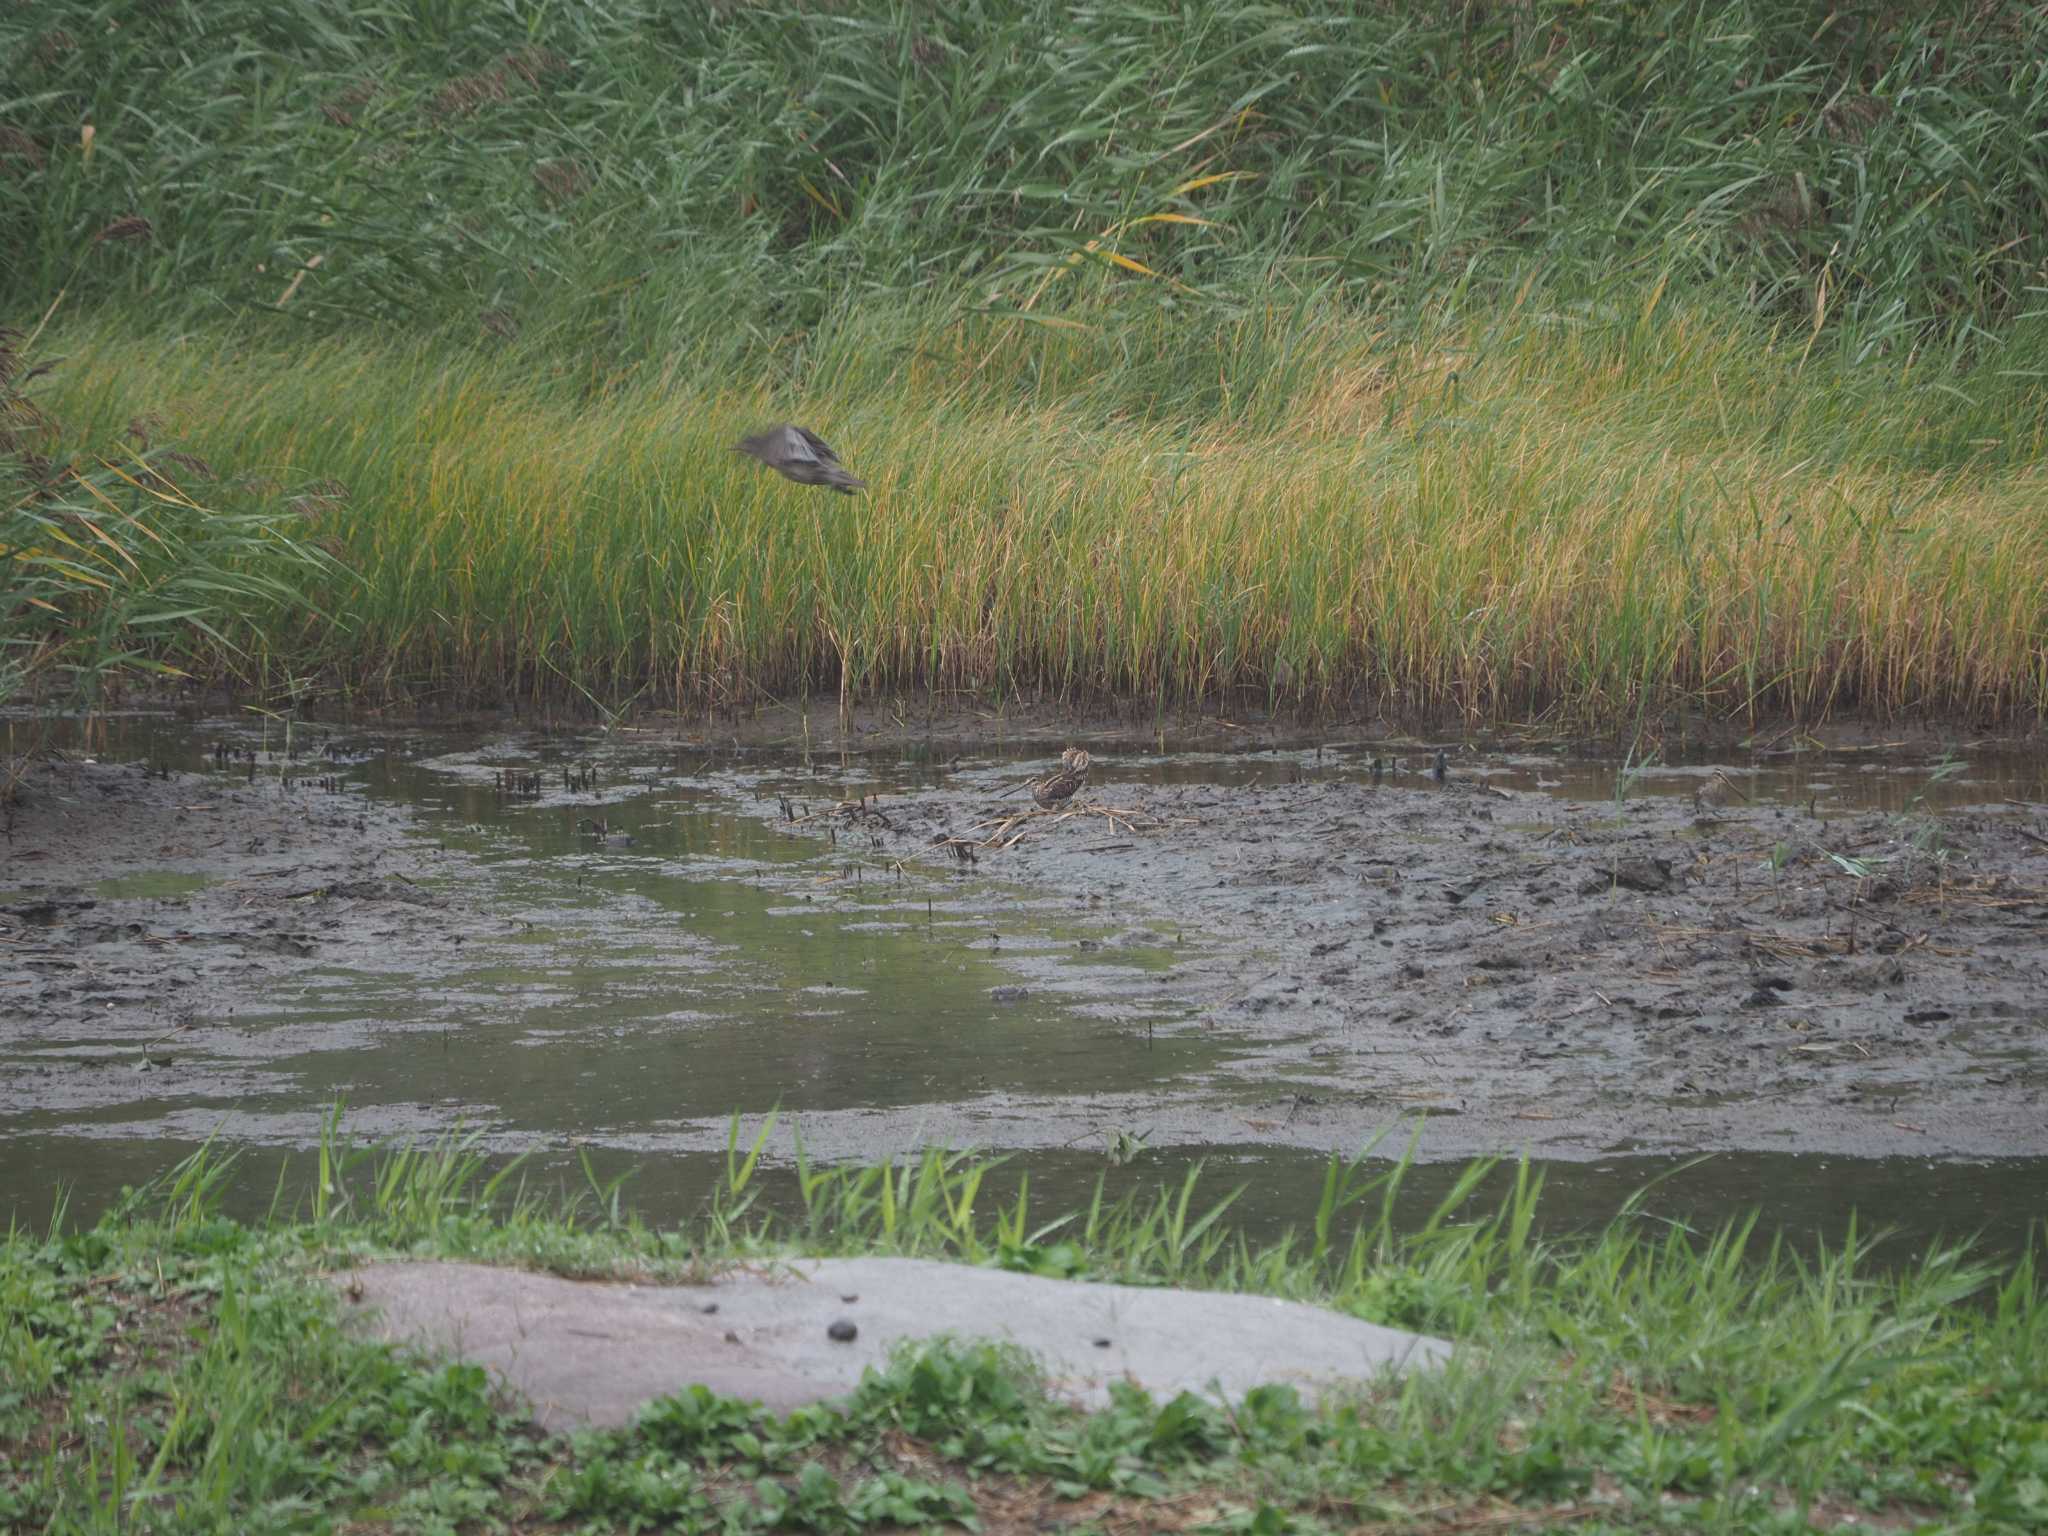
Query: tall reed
{"x": 1610, "y": 512}
{"x": 721, "y": 179}
{"x": 106, "y": 565}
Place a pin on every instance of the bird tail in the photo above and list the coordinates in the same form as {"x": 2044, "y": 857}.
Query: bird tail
{"x": 841, "y": 481}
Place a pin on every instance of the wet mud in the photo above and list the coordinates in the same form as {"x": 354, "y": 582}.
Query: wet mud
{"x": 615, "y": 942}
{"x": 147, "y": 917}
{"x": 1645, "y": 973}
{"x": 971, "y": 725}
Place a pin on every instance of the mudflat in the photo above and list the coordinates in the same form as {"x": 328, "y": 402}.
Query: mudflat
{"x": 141, "y": 910}
{"x": 1650, "y": 973}
{"x": 1506, "y": 968}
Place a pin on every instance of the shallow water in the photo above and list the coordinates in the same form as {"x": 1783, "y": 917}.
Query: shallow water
{"x": 630, "y": 996}
{"x": 1908, "y": 1205}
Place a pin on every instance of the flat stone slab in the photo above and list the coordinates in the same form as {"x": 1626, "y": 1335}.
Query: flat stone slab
{"x": 595, "y": 1352}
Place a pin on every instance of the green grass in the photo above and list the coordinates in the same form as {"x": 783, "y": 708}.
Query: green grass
{"x": 1143, "y": 324}
{"x": 169, "y": 1369}
{"x": 108, "y": 568}
{"x": 1606, "y": 512}
{"x": 635, "y": 177}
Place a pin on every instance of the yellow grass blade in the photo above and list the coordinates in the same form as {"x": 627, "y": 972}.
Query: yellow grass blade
{"x": 1199, "y": 182}
{"x": 823, "y": 199}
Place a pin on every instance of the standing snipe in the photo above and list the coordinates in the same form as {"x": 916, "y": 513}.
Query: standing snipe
{"x": 1059, "y": 787}
{"x": 1715, "y": 793}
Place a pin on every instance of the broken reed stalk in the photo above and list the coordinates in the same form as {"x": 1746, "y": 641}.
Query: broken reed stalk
{"x": 1008, "y": 830}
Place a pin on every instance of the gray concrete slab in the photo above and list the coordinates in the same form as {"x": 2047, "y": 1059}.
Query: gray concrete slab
{"x": 594, "y": 1352}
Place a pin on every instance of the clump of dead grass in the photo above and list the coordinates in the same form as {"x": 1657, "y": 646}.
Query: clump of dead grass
{"x": 20, "y": 153}
{"x": 129, "y": 227}
{"x": 560, "y": 181}
{"x": 525, "y": 68}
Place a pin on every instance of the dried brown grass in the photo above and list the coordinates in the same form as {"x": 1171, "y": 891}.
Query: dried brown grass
{"x": 128, "y": 227}
{"x": 560, "y": 181}
{"x": 523, "y": 68}
{"x": 20, "y": 154}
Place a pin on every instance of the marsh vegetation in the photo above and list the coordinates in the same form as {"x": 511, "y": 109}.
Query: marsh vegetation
{"x": 170, "y": 1368}
{"x": 1461, "y": 361}
{"x": 1465, "y": 360}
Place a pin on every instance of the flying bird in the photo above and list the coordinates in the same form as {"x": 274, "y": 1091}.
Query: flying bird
{"x": 799, "y": 454}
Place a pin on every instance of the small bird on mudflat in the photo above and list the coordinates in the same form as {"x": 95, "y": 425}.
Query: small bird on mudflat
{"x": 1715, "y": 793}
{"x": 1060, "y": 787}
{"x": 799, "y": 454}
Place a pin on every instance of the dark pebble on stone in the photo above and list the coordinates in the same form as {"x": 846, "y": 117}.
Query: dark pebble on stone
{"x": 850, "y": 1300}
{"x": 708, "y": 1308}
{"x": 731, "y": 1337}
{"x": 842, "y": 1332}
{"x": 1102, "y": 1343}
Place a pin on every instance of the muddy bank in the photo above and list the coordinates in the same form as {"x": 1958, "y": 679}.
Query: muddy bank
{"x": 143, "y": 910}
{"x": 969, "y": 724}
{"x": 435, "y": 935}
{"x": 968, "y": 729}
{"x": 1205, "y": 951}
{"x": 1654, "y": 973}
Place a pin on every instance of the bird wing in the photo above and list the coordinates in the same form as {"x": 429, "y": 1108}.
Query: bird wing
{"x": 806, "y": 444}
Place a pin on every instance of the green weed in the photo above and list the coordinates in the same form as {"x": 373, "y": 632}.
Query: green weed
{"x": 1604, "y": 534}
{"x": 1462, "y": 361}
{"x": 168, "y": 1368}
{"x": 625, "y": 180}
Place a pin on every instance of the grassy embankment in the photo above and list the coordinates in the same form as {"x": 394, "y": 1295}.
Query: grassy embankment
{"x": 1144, "y": 328}
{"x": 1581, "y": 524}
{"x": 170, "y": 1369}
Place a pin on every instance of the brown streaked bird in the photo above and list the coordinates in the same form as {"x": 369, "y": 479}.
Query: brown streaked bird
{"x": 799, "y": 454}
{"x": 1715, "y": 793}
{"x": 1059, "y": 788}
